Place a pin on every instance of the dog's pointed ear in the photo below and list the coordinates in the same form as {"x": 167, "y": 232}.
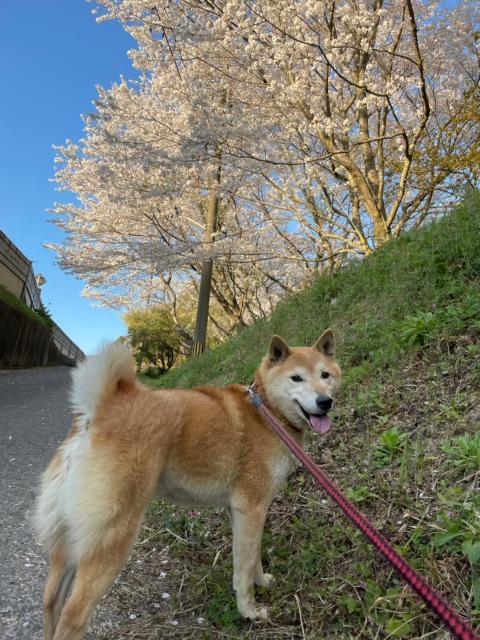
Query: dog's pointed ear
{"x": 278, "y": 350}
{"x": 326, "y": 343}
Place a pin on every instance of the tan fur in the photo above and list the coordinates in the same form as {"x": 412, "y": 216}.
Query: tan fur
{"x": 204, "y": 446}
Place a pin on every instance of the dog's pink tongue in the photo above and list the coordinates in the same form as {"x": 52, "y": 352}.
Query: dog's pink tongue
{"x": 320, "y": 424}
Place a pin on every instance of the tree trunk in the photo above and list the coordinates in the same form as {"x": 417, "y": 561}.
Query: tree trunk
{"x": 200, "y": 334}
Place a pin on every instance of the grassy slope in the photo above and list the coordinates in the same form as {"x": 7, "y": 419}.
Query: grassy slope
{"x": 408, "y": 323}
{"x": 13, "y": 301}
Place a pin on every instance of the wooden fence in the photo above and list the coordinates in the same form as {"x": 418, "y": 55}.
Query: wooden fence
{"x": 26, "y": 342}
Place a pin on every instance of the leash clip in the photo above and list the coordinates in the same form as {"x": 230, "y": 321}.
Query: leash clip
{"x": 254, "y": 397}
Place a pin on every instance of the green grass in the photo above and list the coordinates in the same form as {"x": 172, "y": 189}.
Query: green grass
{"x": 43, "y": 317}
{"x": 404, "y": 446}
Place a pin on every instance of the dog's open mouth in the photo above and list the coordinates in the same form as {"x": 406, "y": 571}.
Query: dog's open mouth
{"x": 320, "y": 423}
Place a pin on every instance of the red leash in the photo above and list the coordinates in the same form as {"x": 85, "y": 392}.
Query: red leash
{"x": 458, "y": 627}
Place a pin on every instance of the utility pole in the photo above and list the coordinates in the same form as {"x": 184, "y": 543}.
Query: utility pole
{"x": 200, "y": 335}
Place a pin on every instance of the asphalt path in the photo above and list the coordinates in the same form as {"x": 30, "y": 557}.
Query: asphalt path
{"x": 34, "y": 418}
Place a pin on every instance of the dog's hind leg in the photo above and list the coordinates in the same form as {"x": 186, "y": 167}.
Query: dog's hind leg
{"x": 59, "y": 580}
{"x": 94, "y": 575}
{"x": 62, "y": 593}
{"x": 261, "y": 578}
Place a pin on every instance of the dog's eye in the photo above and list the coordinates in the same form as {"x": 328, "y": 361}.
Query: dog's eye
{"x": 297, "y": 378}
{"x": 325, "y": 374}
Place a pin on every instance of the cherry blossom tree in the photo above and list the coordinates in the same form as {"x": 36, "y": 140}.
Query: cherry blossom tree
{"x": 353, "y": 90}
{"x": 137, "y": 234}
{"x": 316, "y": 129}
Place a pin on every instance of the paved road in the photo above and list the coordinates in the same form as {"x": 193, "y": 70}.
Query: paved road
{"x": 34, "y": 418}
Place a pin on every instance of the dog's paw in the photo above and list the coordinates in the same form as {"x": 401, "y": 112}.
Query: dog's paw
{"x": 266, "y": 580}
{"x": 253, "y": 613}
{"x": 258, "y": 614}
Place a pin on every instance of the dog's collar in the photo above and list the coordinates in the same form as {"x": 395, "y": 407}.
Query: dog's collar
{"x": 257, "y": 400}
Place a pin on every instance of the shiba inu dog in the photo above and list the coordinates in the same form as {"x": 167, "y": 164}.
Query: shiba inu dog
{"x": 201, "y": 446}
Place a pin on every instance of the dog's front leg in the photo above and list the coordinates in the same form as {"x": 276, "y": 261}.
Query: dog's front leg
{"x": 247, "y": 524}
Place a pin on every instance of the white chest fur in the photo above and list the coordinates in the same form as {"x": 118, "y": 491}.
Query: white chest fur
{"x": 281, "y": 466}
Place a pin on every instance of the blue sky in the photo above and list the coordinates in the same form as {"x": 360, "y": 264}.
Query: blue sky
{"x": 52, "y": 54}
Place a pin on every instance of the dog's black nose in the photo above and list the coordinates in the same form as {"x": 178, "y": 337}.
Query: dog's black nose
{"x": 324, "y": 403}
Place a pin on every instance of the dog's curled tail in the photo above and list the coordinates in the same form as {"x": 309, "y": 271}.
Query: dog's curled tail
{"x": 99, "y": 376}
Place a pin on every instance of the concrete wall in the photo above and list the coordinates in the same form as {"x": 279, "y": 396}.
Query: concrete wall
{"x": 14, "y": 266}
{"x": 16, "y": 273}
